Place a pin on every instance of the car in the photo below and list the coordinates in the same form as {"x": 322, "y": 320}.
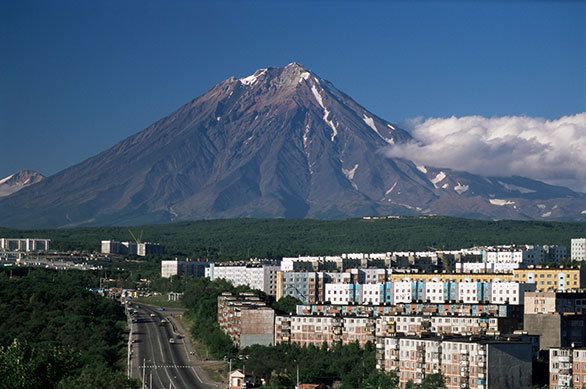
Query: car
{"x": 160, "y": 309}
{"x": 171, "y": 340}
{"x": 153, "y": 315}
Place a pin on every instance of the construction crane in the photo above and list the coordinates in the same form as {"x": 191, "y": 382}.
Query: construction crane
{"x": 138, "y": 241}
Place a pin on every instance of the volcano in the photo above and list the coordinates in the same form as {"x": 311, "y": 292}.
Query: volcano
{"x": 282, "y": 142}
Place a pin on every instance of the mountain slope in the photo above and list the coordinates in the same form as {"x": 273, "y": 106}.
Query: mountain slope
{"x": 279, "y": 143}
{"x": 15, "y": 182}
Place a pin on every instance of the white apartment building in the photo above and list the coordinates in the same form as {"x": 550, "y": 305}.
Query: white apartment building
{"x": 262, "y": 277}
{"x": 468, "y": 292}
{"x": 338, "y": 294}
{"x": 434, "y": 292}
{"x": 509, "y": 292}
{"x": 526, "y": 255}
{"x": 24, "y": 244}
{"x": 401, "y": 292}
{"x": 372, "y": 294}
{"x": 578, "y": 249}
{"x": 482, "y": 267}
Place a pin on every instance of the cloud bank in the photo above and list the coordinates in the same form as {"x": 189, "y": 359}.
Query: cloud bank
{"x": 553, "y": 151}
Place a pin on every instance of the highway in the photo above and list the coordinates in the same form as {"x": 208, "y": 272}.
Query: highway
{"x": 172, "y": 365}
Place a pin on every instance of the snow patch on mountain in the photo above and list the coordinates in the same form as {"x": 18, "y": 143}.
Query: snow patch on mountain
{"x": 304, "y": 76}
{"x": 2, "y": 181}
{"x": 437, "y": 179}
{"x": 391, "y": 127}
{"x": 520, "y": 189}
{"x": 349, "y": 173}
{"x": 370, "y": 123}
{"x": 330, "y": 123}
{"x": 250, "y": 80}
{"x": 501, "y": 202}
{"x": 421, "y": 168}
{"x": 547, "y": 214}
{"x": 391, "y": 189}
{"x": 461, "y": 188}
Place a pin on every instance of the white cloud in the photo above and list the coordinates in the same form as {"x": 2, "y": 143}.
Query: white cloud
{"x": 553, "y": 151}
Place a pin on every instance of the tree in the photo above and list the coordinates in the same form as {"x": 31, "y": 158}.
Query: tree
{"x": 433, "y": 381}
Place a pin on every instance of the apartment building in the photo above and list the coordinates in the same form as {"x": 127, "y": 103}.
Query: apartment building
{"x": 547, "y": 279}
{"x": 578, "y": 249}
{"x": 261, "y": 276}
{"x": 465, "y": 362}
{"x": 316, "y": 330}
{"x": 246, "y": 319}
{"x": 449, "y": 308}
{"x": 559, "y": 318}
{"x": 25, "y": 244}
{"x": 170, "y": 268}
{"x": 567, "y": 368}
{"x": 444, "y": 324}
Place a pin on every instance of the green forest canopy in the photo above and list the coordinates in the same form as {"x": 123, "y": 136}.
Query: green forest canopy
{"x": 228, "y": 239}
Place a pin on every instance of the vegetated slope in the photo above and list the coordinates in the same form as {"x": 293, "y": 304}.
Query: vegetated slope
{"x": 282, "y": 142}
{"x": 56, "y": 333}
{"x": 274, "y": 238}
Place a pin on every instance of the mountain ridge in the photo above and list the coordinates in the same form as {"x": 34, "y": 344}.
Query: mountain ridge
{"x": 282, "y": 142}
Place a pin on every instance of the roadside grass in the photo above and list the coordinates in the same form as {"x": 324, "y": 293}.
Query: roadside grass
{"x": 200, "y": 349}
{"x": 217, "y": 372}
{"x": 160, "y": 301}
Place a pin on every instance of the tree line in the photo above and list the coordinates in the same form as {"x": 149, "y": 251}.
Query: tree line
{"x": 229, "y": 239}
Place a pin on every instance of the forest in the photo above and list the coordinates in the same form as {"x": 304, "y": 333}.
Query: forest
{"x": 55, "y": 333}
{"x": 237, "y": 239}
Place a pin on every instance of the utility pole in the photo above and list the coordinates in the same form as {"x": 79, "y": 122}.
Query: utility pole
{"x": 230, "y": 375}
{"x": 143, "y": 369}
{"x": 151, "y": 380}
{"x": 297, "y": 375}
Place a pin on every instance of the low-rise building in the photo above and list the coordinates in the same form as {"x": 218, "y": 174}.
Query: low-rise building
{"x": 246, "y": 319}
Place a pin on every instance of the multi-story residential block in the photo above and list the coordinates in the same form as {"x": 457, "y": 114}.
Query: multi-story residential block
{"x": 465, "y": 362}
{"x": 170, "y": 268}
{"x": 567, "y": 368}
{"x": 25, "y": 244}
{"x": 416, "y": 308}
{"x": 246, "y": 319}
{"x": 307, "y": 287}
{"x": 559, "y": 318}
{"x": 444, "y": 324}
{"x": 316, "y": 330}
{"x": 548, "y": 278}
{"x": 261, "y": 276}
{"x": 578, "y": 249}
{"x": 147, "y": 248}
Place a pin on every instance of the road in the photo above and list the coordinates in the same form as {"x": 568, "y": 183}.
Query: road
{"x": 172, "y": 365}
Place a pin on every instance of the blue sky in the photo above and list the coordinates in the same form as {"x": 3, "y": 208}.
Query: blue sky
{"x": 78, "y": 76}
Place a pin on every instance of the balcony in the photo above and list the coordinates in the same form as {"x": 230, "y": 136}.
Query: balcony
{"x": 564, "y": 358}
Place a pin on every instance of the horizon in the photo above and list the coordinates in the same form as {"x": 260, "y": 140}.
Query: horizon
{"x": 81, "y": 77}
